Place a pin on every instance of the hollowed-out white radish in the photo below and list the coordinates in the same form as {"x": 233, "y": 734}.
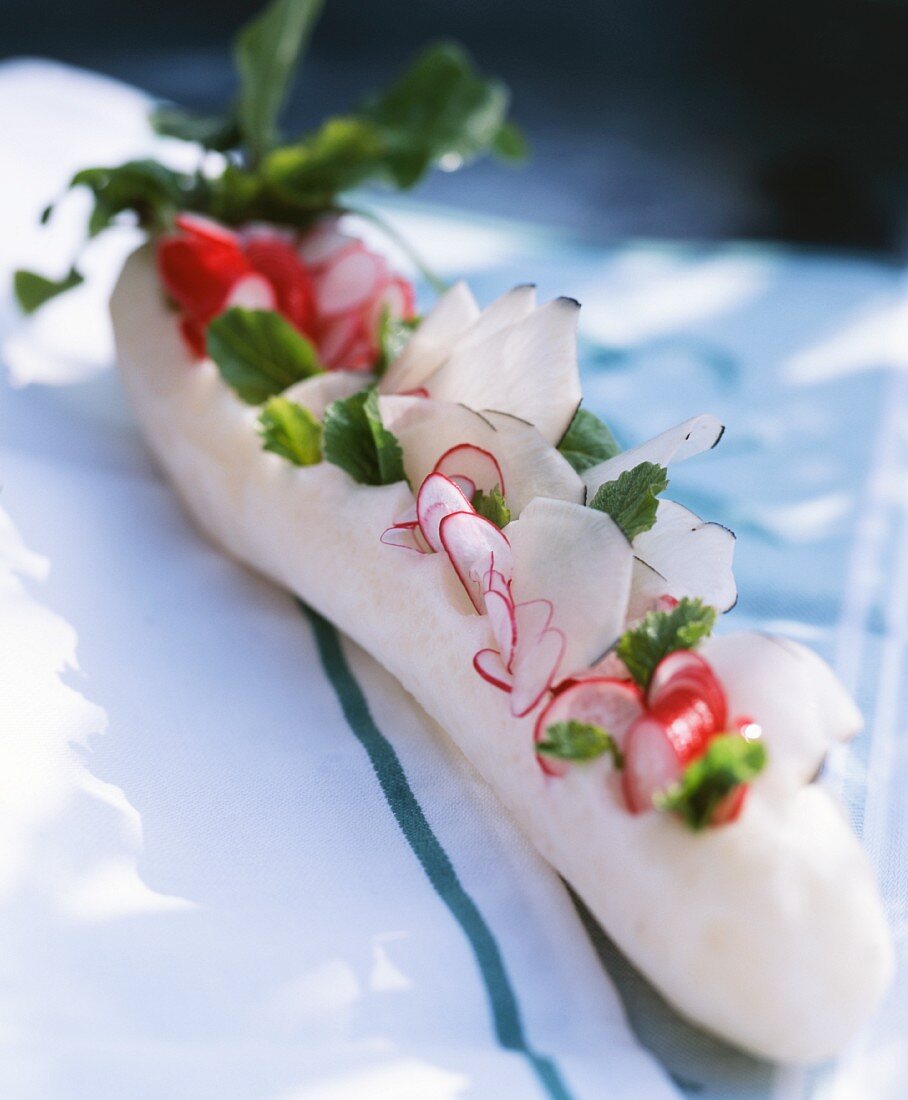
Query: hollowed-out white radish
{"x": 683, "y": 441}
{"x": 527, "y": 369}
{"x": 612, "y": 705}
{"x": 437, "y": 498}
{"x": 453, "y": 314}
{"x": 695, "y": 557}
{"x": 578, "y": 559}
{"x": 475, "y": 545}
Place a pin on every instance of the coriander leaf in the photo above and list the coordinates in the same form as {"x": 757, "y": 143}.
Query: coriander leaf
{"x": 661, "y": 633}
{"x": 356, "y": 440}
{"x": 588, "y": 441}
{"x": 154, "y": 193}
{"x": 33, "y": 290}
{"x": 631, "y": 499}
{"x": 579, "y": 741}
{"x": 217, "y": 132}
{"x": 291, "y": 431}
{"x": 266, "y": 53}
{"x": 728, "y": 762}
{"x": 492, "y": 506}
{"x": 259, "y": 353}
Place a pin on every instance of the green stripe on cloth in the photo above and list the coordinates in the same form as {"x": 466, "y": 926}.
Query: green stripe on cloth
{"x": 428, "y": 850}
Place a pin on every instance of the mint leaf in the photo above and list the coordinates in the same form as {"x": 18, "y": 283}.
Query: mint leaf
{"x": 661, "y": 633}
{"x": 729, "y": 761}
{"x": 580, "y": 742}
{"x": 216, "y": 132}
{"x": 631, "y": 499}
{"x": 291, "y": 431}
{"x": 588, "y": 441}
{"x": 492, "y": 506}
{"x": 259, "y": 353}
{"x": 356, "y": 440}
{"x": 266, "y": 53}
{"x": 154, "y": 193}
{"x": 33, "y": 290}
{"x": 393, "y": 335}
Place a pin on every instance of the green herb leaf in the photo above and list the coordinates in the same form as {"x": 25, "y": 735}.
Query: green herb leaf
{"x": 266, "y": 53}
{"x": 510, "y": 143}
{"x": 588, "y": 441}
{"x": 33, "y": 290}
{"x": 728, "y": 762}
{"x": 358, "y": 442}
{"x": 492, "y": 506}
{"x": 661, "y": 633}
{"x": 393, "y": 335}
{"x": 438, "y": 111}
{"x": 153, "y": 192}
{"x": 259, "y": 353}
{"x": 217, "y": 132}
{"x": 631, "y": 499}
{"x": 291, "y": 431}
{"x": 579, "y": 741}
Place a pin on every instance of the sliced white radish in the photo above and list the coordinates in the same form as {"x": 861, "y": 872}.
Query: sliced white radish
{"x": 454, "y": 312}
{"x": 489, "y": 448}
{"x": 403, "y": 537}
{"x": 532, "y": 619}
{"x": 799, "y": 704}
{"x": 251, "y": 292}
{"x": 535, "y": 669}
{"x": 648, "y": 589}
{"x": 612, "y": 705}
{"x": 348, "y": 282}
{"x": 475, "y": 545}
{"x": 476, "y": 463}
{"x": 509, "y": 309}
{"x": 694, "y": 556}
{"x": 319, "y": 391}
{"x": 700, "y": 433}
{"x": 437, "y": 498}
{"x": 489, "y": 665}
{"x": 528, "y": 369}
{"x": 577, "y": 558}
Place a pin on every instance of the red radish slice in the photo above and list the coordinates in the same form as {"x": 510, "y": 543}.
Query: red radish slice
{"x": 397, "y": 300}
{"x": 420, "y": 391}
{"x": 488, "y": 664}
{"x": 348, "y": 283}
{"x": 198, "y": 274}
{"x": 465, "y": 485}
{"x": 205, "y": 228}
{"x": 532, "y": 618}
{"x": 438, "y": 498}
{"x": 402, "y": 537}
{"x": 503, "y": 623}
{"x": 325, "y": 243}
{"x": 685, "y": 670}
{"x": 661, "y": 744}
{"x": 476, "y": 463}
{"x": 494, "y": 581}
{"x": 613, "y": 705}
{"x": 337, "y": 339}
{"x": 534, "y": 671}
{"x": 251, "y": 292}
{"x": 277, "y": 260}
{"x": 731, "y": 807}
{"x": 475, "y": 545}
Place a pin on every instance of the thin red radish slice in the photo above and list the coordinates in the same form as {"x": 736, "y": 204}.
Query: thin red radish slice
{"x": 503, "y": 623}
{"x": 476, "y": 463}
{"x": 438, "y": 497}
{"x": 348, "y": 283}
{"x": 251, "y": 292}
{"x": 685, "y": 670}
{"x": 404, "y": 537}
{"x": 488, "y": 664}
{"x": 475, "y": 545}
{"x": 465, "y": 485}
{"x": 534, "y": 671}
{"x": 495, "y": 581}
{"x": 613, "y": 705}
{"x": 205, "y": 228}
{"x": 420, "y": 391}
{"x": 325, "y": 243}
{"x": 396, "y": 299}
{"x": 337, "y": 339}
{"x": 661, "y": 744}
{"x": 533, "y": 618}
